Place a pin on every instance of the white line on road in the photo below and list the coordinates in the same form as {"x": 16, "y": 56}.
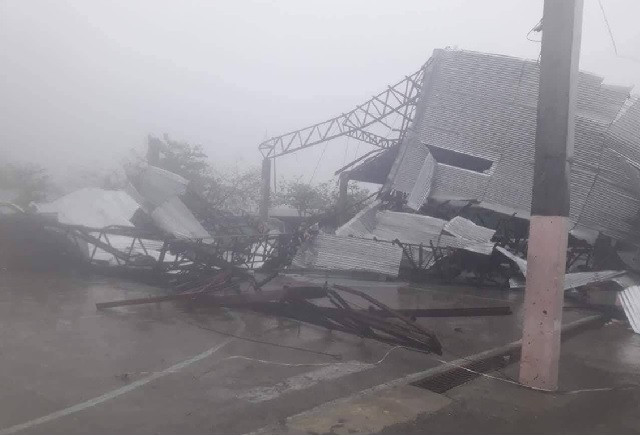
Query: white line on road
{"x": 304, "y": 381}
{"x": 123, "y": 390}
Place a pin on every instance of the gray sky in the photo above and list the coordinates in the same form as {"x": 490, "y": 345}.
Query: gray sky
{"x": 84, "y": 81}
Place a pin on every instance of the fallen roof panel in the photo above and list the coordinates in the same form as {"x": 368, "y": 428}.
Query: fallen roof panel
{"x": 175, "y": 218}
{"x": 339, "y": 253}
{"x": 467, "y": 229}
{"x": 630, "y": 300}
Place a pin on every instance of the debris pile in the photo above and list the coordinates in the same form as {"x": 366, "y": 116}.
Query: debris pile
{"x": 457, "y": 183}
{"x": 454, "y": 205}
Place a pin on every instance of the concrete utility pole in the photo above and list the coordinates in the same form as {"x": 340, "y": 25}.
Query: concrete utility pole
{"x": 546, "y": 257}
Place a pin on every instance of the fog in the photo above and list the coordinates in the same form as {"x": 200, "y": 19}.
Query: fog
{"x": 85, "y": 81}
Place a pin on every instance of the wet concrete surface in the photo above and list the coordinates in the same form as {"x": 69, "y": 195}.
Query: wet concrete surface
{"x": 159, "y": 368}
{"x": 599, "y": 393}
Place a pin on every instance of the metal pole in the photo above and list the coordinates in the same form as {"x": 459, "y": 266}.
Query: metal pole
{"x": 546, "y": 256}
{"x": 266, "y": 189}
{"x": 343, "y": 190}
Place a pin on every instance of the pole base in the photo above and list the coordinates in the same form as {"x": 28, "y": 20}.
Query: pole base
{"x": 543, "y": 301}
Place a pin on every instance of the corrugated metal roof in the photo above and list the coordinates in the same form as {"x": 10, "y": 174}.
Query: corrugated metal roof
{"x": 158, "y": 185}
{"x": 630, "y": 300}
{"x": 173, "y": 217}
{"x": 575, "y": 280}
{"x": 362, "y": 224}
{"x": 520, "y": 262}
{"x": 485, "y": 105}
{"x": 467, "y": 229}
{"x": 407, "y": 227}
{"x": 411, "y": 228}
{"x": 339, "y": 253}
{"x": 422, "y": 187}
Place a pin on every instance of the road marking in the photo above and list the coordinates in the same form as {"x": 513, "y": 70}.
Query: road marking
{"x": 123, "y": 390}
{"x": 304, "y": 381}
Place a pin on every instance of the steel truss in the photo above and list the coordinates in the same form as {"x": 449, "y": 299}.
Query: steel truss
{"x": 399, "y": 99}
{"x": 239, "y": 253}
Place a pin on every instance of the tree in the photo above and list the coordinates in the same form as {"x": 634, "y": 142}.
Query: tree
{"x": 182, "y": 158}
{"x": 27, "y": 182}
{"x": 236, "y": 191}
{"x": 310, "y": 199}
{"x": 357, "y": 198}
{"x": 307, "y": 199}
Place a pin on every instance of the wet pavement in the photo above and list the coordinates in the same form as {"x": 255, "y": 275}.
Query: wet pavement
{"x": 173, "y": 368}
{"x": 599, "y": 393}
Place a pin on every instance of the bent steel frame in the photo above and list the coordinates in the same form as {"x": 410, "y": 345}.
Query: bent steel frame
{"x": 399, "y": 99}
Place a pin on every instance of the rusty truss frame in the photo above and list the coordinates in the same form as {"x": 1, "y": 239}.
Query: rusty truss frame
{"x": 182, "y": 259}
{"x": 399, "y": 99}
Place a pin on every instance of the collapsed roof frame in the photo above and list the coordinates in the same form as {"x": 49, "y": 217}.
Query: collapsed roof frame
{"x": 399, "y": 99}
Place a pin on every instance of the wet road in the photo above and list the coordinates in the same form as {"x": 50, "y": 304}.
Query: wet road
{"x": 67, "y": 368}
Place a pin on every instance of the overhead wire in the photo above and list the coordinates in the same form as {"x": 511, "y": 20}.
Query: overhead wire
{"x": 318, "y": 163}
{"x": 536, "y": 28}
{"x": 613, "y": 40}
{"x": 346, "y": 151}
{"x": 429, "y": 355}
{"x": 289, "y": 364}
{"x": 606, "y": 23}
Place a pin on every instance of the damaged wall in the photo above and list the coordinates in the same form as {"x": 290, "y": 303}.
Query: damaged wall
{"x": 484, "y": 106}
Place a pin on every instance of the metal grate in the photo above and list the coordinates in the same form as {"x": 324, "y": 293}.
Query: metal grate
{"x": 440, "y": 383}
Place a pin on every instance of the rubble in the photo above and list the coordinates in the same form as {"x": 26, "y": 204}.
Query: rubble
{"x": 457, "y": 192}
{"x": 453, "y": 207}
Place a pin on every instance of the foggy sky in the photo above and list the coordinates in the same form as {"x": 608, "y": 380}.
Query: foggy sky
{"x": 84, "y": 81}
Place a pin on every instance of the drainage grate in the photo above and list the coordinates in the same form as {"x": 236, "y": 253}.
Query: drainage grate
{"x": 442, "y": 382}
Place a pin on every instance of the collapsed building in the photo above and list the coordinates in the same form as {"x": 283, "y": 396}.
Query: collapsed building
{"x": 455, "y": 173}
{"x": 458, "y": 176}
{"x": 468, "y": 144}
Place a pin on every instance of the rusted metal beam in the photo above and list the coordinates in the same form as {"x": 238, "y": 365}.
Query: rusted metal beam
{"x": 298, "y": 292}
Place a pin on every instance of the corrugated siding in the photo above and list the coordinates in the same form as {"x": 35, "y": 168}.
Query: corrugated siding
{"x": 175, "y": 218}
{"x": 452, "y": 183}
{"x": 630, "y": 300}
{"x": 467, "y": 229}
{"x": 410, "y": 228}
{"x": 574, "y": 280}
{"x": 407, "y": 227}
{"x": 571, "y": 280}
{"x": 408, "y": 164}
{"x": 485, "y": 105}
{"x": 422, "y": 185}
{"x": 158, "y": 185}
{"x": 349, "y": 254}
{"x": 362, "y": 224}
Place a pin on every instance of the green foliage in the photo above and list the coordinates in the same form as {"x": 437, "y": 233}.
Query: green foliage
{"x": 238, "y": 191}
{"x": 235, "y": 191}
{"x": 307, "y": 199}
{"x": 310, "y": 199}
{"x": 30, "y": 182}
{"x": 186, "y": 160}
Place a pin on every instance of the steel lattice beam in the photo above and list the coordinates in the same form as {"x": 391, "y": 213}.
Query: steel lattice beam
{"x": 399, "y": 99}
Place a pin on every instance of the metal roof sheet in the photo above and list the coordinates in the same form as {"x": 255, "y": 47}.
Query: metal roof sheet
{"x": 485, "y": 105}
{"x": 630, "y": 300}
{"x": 467, "y": 229}
{"x": 339, "y": 253}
